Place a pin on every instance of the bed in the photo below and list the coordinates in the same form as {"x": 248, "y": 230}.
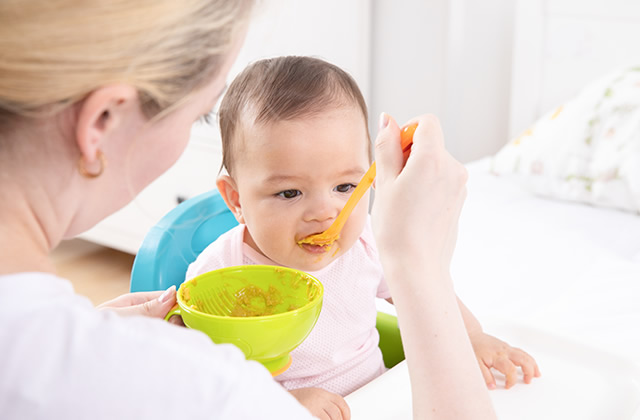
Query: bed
{"x": 561, "y": 280}
{"x": 548, "y": 255}
{"x": 558, "y": 279}
{"x": 567, "y": 268}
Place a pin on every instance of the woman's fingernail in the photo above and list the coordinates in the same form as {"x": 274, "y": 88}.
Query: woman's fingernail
{"x": 165, "y": 296}
{"x": 384, "y": 120}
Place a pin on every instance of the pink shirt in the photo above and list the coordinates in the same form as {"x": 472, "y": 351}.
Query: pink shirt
{"x": 341, "y": 353}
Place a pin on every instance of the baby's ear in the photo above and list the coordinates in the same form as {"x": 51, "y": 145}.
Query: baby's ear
{"x": 229, "y": 192}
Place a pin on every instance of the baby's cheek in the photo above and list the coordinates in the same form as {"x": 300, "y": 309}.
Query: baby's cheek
{"x": 358, "y": 219}
{"x": 349, "y": 236}
{"x": 280, "y": 242}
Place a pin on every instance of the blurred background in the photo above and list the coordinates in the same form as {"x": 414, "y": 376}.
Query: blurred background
{"x": 486, "y": 69}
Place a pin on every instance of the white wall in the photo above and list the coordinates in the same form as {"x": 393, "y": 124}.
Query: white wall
{"x": 562, "y": 45}
{"x": 407, "y": 58}
{"x": 447, "y": 57}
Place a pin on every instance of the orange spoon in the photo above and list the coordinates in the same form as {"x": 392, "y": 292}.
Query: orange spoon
{"x": 329, "y": 236}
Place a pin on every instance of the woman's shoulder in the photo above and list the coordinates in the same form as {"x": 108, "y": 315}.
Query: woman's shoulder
{"x": 48, "y": 303}
{"x": 92, "y": 363}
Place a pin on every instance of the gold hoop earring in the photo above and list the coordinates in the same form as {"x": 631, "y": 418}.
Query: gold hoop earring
{"x": 85, "y": 173}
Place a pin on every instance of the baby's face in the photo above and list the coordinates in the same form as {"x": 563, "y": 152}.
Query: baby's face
{"x": 294, "y": 177}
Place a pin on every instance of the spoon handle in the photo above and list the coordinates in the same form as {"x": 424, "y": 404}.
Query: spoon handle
{"x": 333, "y": 232}
{"x": 406, "y": 141}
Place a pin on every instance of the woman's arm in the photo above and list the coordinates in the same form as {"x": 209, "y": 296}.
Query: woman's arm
{"x": 415, "y": 221}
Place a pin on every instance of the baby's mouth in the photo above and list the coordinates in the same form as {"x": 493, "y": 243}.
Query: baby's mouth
{"x": 319, "y": 239}
{"x": 315, "y": 249}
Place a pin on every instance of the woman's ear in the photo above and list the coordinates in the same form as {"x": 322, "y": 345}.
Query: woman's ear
{"x": 101, "y": 113}
{"x": 229, "y": 192}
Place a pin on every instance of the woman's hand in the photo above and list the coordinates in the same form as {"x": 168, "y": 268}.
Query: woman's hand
{"x": 322, "y": 404}
{"x": 418, "y": 204}
{"x": 154, "y": 304}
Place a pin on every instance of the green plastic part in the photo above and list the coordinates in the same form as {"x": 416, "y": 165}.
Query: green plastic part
{"x": 265, "y": 311}
{"x": 390, "y": 341}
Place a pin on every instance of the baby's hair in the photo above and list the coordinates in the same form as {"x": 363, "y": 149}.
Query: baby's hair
{"x": 280, "y": 89}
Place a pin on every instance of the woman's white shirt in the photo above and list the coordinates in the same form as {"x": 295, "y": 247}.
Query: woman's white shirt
{"x": 61, "y": 358}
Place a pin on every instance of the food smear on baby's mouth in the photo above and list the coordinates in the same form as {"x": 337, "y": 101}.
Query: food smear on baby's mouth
{"x": 316, "y": 249}
{"x": 319, "y": 239}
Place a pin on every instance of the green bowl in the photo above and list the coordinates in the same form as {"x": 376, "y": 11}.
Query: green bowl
{"x": 266, "y": 311}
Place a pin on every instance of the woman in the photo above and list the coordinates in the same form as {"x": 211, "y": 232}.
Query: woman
{"x": 96, "y": 101}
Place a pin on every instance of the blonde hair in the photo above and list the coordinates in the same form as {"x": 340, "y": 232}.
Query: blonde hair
{"x": 55, "y": 52}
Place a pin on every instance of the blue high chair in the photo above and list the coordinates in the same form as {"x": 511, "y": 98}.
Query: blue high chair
{"x": 183, "y": 233}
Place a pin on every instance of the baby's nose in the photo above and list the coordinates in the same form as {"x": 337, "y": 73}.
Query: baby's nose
{"x": 323, "y": 209}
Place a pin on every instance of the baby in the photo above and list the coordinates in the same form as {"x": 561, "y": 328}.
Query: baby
{"x": 295, "y": 145}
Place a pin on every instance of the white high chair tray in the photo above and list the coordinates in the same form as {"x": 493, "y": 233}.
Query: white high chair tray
{"x": 578, "y": 382}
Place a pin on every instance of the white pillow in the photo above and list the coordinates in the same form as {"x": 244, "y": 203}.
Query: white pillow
{"x": 587, "y": 150}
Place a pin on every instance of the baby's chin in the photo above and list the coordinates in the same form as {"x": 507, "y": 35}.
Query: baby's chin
{"x": 314, "y": 265}
{"x": 310, "y": 261}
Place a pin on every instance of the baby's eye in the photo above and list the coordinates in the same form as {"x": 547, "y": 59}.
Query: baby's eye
{"x": 289, "y": 194}
{"x": 345, "y": 188}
